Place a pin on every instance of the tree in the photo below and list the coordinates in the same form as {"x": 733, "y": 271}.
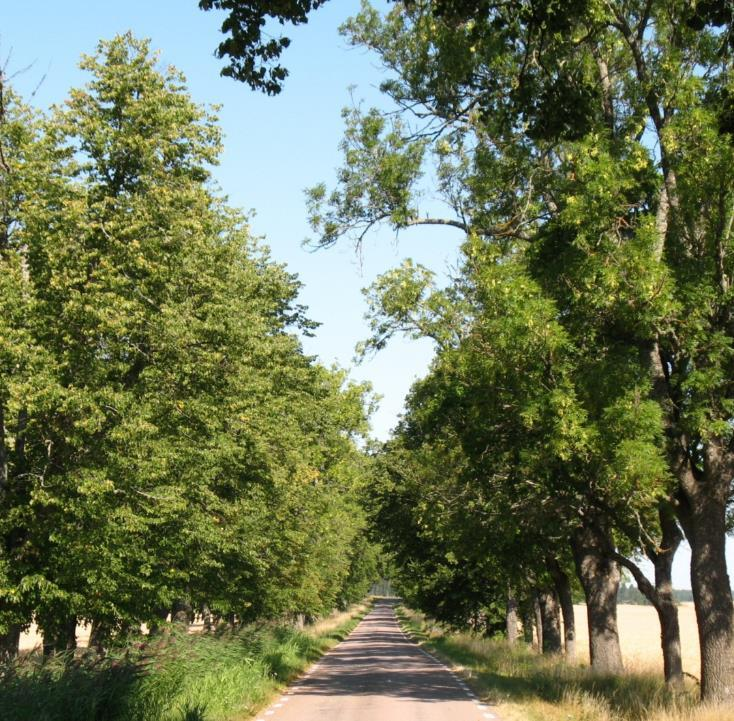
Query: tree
{"x": 180, "y": 450}
{"x": 21, "y": 168}
{"x": 538, "y": 142}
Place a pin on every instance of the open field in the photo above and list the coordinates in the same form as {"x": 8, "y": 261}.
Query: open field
{"x": 639, "y": 633}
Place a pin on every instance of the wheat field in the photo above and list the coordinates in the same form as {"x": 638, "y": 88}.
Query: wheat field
{"x": 639, "y": 635}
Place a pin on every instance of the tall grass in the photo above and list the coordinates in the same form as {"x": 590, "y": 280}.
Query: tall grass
{"x": 528, "y": 686}
{"x": 182, "y": 677}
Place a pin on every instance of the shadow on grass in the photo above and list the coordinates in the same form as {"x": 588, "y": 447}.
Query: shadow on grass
{"x": 503, "y": 673}
{"x": 194, "y": 713}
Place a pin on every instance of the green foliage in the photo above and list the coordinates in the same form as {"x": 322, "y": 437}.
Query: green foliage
{"x": 252, "y": 52}
{"x": 377, "y": 181}
{"x": 167, "y": 439}
{"x": 584, "y": 364}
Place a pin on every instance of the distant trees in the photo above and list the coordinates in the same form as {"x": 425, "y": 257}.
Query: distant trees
{"x": 582, "y": 393}
{"x": 164, "y": 442}
{"x": 629, "y": 593}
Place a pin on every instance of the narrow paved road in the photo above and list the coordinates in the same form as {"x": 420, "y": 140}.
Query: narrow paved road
{"x": 378, "y": 674}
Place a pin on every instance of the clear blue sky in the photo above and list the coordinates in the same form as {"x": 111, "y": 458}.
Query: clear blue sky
{"x": 274, "y": 148}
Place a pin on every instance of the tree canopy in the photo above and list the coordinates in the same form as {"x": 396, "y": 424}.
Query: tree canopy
{"x": 165, "y": 440}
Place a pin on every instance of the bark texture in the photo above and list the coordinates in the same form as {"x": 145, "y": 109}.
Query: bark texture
{"x": 61, "y": 636}
{"x": 563, "y": 589}
{"x": 600, "y": 576}
{"x": 662, "y": 560}
{"x": 550, "y": 612}
{"x": 660, "y": 595}
{"x": 702, "y": 512}
{"x": 101, "y": 634}
{"x": 182, "y": 612}
{"x": 527, "y": 624}
{"x": 511, "y": 618}
{"x": 538, "y": 625}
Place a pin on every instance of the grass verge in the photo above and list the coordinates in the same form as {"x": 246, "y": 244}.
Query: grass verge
{"x": 527, "y": 686}
{"x": 224, "y": 676}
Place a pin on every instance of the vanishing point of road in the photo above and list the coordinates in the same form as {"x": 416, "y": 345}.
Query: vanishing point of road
{"x": 378, "y": 674}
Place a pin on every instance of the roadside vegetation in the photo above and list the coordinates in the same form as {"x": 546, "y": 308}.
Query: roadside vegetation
{"x": 529, "y": 686}
{"x": 223, "y": 675}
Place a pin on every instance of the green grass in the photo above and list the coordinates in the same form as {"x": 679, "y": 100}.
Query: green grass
{"x": 532, "y": 687}
{"x": 205, "y": 677}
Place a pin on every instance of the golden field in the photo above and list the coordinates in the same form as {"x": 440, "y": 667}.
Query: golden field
{"x": 639, "y": 635}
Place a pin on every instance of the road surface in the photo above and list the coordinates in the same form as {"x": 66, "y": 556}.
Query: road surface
{"x": 378, "y": 674}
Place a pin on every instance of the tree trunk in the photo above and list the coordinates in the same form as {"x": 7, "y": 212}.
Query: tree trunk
{"x": 68, "y": 634}
{"x": 661, "y": 594}
{"x": 538, "y": 625}
{"x": 600, "y": 577}
{"x": 511, "y": 618}
{"x": 563, "y": 589}
{"x": 702, "y": 497}
{"x": 99, "y": 635}
{"x": 550, "y": 612}
{"x": 207, "y": 617}
{"x": 702, "y": 512}
{"x": 667, "y": 610}
{"x": 670, "y": 643}
{"x": 527, "y": 624}
{"x": 157, "y": 624}
{"x": 182, "y": 612}
{"x": 61, "y": 637}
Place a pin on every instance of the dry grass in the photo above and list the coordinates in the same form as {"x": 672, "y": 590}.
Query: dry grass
{"x": 526, "y": 686}
{"x": 337, "y": 619}
{"x": 33, "y": 639}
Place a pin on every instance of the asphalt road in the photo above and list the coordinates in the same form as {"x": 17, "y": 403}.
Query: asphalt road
{"x": 378, "y": 674}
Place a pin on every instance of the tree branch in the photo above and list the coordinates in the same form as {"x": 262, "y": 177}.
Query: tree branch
{"x": 439, "y": 221}
{"x": 645, "y": 586}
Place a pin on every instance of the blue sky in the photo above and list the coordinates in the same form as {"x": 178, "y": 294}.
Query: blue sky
{"x": 274, "y": 148}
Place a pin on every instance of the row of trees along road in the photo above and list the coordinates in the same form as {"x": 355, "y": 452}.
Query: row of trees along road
{"x": 165, "y": 445}
{"x": 579, "y": 409}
